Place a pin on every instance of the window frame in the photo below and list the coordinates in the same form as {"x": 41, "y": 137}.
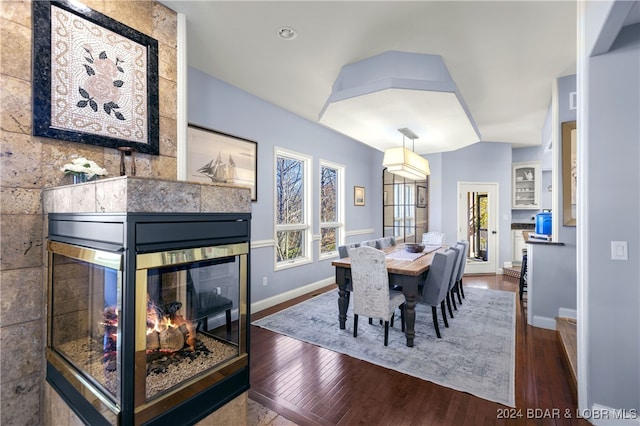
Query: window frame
{"x": 306, "y": 225}
{"x": 340, "y": 211}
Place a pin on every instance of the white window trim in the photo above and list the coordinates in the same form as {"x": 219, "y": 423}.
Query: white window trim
{"x": 306, "y": 224}
{"x": 341, "y": 209}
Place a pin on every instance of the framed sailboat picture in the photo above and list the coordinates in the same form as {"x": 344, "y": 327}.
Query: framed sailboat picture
{"x": 215, "y": 157}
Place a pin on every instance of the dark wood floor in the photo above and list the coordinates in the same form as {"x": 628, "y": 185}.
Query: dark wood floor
{"x": 311, "y": 385}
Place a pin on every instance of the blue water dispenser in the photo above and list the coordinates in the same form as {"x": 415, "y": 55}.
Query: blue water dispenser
{"x": 543, "y": 223}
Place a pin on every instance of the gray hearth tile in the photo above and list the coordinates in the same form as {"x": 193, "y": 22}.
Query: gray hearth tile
{"x": 20, "y": 401}
{"x": 151, "y": 195}
{"x": 139, "y": 194}
{"x": 22, "y": 295}
{"x": 25, "y": 233}
{"x": 111, "y": 195}
{"x": 20, "y": 201}
{"x": 21, "y": 350}
{"x": 217, "y": 198}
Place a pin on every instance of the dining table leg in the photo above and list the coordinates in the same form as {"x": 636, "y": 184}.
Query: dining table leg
{"x": 410, "y": 290}
{"x": 410, "y": 320}
{"x": 343, "y": 296}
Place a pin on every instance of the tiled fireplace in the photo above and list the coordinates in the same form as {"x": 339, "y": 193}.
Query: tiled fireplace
{"x": 148, "y": 310}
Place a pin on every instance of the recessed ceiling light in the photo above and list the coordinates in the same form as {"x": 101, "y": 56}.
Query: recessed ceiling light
{"x": 287, "y": 33}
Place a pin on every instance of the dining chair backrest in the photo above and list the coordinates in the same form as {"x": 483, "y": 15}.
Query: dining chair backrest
{"x": 463, "y": 261}
{"x": 369, "y": 243}
{"x": 433, "y": 238}
{"x": 456, "y": 266}
{"x": 386, "y": 242}
{"x": 370, "y": 281}
{"x": 343, "y": 251}
{"x": 438, "y": 278}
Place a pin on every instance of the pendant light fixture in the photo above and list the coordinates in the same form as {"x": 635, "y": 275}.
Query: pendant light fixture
{"x": 405, "y": 163}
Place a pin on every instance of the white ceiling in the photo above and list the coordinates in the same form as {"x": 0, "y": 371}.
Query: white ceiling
{"x": 503, "y": 55}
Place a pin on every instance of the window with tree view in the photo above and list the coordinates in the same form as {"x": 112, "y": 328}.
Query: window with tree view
{"x": 330, "y": 208}
{"x": 292, "y": 225}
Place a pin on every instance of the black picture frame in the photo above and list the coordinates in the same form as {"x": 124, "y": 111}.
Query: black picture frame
{"x": 209, "y": 149}
{"x": 123, "y": 114}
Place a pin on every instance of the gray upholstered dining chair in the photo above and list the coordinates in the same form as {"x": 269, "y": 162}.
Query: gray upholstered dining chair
{"x": 452, "y": 282}
{"x": 385, "y": 242}
{"x": 368, "y": 243}
{"x": 458, "y": 287}
{"x": 343, "y": 251}
{"x": 371, "y": 295}
{"x": 433, "y": 238}
{"x": 436, "y": 286}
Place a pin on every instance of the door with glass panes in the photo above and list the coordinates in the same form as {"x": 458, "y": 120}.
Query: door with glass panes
{"x": 405, "y": 207}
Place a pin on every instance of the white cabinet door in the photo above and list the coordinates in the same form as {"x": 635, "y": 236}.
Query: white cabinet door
{"x": 518, "y": 244}
{"x": 525, "y": 183}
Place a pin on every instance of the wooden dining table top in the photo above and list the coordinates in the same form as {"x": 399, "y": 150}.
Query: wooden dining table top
{"x": 398, "y": 266}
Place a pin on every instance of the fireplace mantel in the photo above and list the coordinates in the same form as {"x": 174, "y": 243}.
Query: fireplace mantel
{"x": 146, "y": 195}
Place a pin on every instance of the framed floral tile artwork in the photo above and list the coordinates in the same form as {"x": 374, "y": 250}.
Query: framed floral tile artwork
{"x": 95, "y": 80}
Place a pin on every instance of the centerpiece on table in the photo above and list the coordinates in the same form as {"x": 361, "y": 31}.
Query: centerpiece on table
{"x": 83, "y": 170}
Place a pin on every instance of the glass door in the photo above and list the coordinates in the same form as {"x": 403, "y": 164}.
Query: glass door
{"x": 404, "y": 208}
{"x": 477, "y": 223}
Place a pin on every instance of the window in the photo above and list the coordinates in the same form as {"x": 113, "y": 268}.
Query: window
{"x": 404, "y": 211}
{"x": 331, "y": 208}
{"x": 292, "y": 218}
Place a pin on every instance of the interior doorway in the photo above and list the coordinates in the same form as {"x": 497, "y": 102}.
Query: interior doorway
{"x": 477, "y": 223}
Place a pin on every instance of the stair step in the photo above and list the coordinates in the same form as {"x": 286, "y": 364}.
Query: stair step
{"x": 512, "y": 272}
{"x": 567, "y": 338}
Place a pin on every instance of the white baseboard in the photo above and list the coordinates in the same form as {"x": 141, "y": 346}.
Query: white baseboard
{"x": 288, "y": 295}
{"x": 568, "y": 313}
{"x": 500, "y": 271}
{"x": 601, "y": 415}
{"x": 544, "y": 322}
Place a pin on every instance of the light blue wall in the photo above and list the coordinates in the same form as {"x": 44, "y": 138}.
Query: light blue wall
{"x": 481, "y": 162}
{"x": 612, "y": 177}
{"x": 435, "y": 192}
{"x": 566, "y": 85}
{"x": 546, "y": 196}
{"x": 220, "y": 106}
{"x": 554, "y": 270}
{"x": 546, "y": 160}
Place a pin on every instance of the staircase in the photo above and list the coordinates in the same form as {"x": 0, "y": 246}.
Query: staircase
{"x": 512, "y": 271}
{"x": 568, "y": 341}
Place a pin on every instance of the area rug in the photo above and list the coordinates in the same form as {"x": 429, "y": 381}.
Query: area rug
{"x": 476, "y": 353}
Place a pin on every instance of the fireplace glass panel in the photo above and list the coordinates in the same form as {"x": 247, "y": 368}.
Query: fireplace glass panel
{"x": 84, "y": 306}
{"x": 191, "y": 323}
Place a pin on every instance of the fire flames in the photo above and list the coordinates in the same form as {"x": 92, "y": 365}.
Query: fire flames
{"x": 168, "y": 331}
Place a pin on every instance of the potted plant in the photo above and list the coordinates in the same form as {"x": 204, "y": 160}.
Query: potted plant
{"x": 83, "y": 170}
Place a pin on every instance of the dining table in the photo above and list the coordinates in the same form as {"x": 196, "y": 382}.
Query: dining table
{"x": 406, "y": 270}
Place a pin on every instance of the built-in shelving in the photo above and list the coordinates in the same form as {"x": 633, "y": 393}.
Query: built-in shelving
{"x": 526, "y": 180}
